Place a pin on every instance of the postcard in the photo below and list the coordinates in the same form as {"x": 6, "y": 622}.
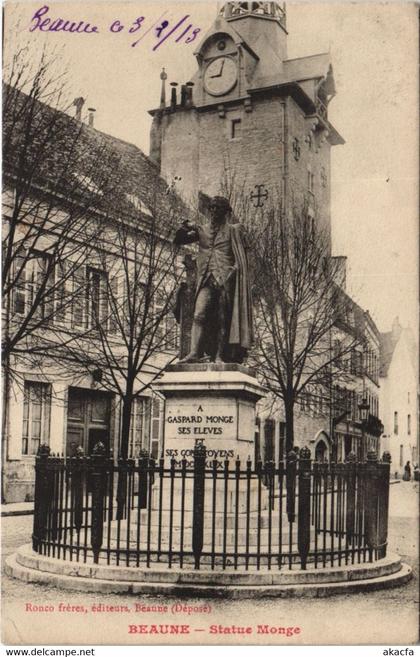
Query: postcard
{"x": 210, "y": 429}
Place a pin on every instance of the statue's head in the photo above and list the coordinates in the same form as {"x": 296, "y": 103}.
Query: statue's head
{"x": 219, "y": 207}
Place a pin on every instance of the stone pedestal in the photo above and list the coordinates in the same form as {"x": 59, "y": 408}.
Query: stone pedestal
{"x": 212, "y": 402}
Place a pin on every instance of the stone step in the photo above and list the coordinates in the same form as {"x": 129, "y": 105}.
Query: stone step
{"x": 322, "y": 582}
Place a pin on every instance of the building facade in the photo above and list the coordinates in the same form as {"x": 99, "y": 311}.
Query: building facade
{"x": 71, "y": 261}
{"x": 399, "y": 397}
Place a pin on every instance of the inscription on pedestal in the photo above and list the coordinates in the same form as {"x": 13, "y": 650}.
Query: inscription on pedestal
{"x": 218, "y": 422}
{"x": 210, "y": 403}
{"x": 201, "y": 421}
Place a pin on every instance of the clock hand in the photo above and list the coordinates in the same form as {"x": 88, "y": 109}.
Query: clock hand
{"x": 217, "y": 75}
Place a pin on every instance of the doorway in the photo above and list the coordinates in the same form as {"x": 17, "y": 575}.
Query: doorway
{"x": 88, "y": 420}
{"x": 321, "y": 451}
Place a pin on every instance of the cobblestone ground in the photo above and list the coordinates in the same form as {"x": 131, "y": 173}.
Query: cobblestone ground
{"x": 384, "y": 617}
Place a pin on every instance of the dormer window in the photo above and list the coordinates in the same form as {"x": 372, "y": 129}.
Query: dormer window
{"x": 87, "y": 183}
{"x": 138, "y": 204}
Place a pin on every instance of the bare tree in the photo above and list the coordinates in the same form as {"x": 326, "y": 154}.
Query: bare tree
{"x": 306, "y": 332}
{"x": 53, "y": 180}
{"x": 132, "y": 277}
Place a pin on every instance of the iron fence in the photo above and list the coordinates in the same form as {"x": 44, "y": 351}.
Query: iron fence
{"x": 205, "y": 513}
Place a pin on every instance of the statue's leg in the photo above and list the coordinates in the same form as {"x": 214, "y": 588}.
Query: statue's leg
{"x": 202, "y": 305}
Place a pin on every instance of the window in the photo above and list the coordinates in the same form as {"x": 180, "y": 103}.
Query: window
{"x": 409, "y": 424}
{"x": 353, "y": 365}
{"x": 140, "y": 426}
{"x": 396, "y": 422}
{"x": 356, "y": 363}
{"x": 269, "y": 427}
{"x": 36, "y": 416}
{"x": 35, "y": 278}
{"x": 155, "y": 432}
{"x": 235, "y": 129}
{"x": 39, "y": 279}
{"x": 97, "y": 297}
{"x": 337, "y": 353}
{"x": 401, "y": 455}
{"x": 159, "y": 318}
{"x": 296, "y": 148}
{"x": 172, "y": 332}
{"x": 166, "y": 335}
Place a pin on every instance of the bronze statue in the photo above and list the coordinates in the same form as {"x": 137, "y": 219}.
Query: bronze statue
{"x": 222, "y": 322}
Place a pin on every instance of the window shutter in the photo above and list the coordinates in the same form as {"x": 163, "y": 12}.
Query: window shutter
{"x": 113, "y": 304}
{"x": 19, "y": 292}
{"x": 79, "y": 300}
{"x": 61, "y": 269}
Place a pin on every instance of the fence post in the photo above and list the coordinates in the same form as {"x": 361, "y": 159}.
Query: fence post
{"x": 351, "y": 496}
{"x": 198, "y": 500}
{"x": 385, "y": 467}
{"x": 54, "y": 499}
{"x": 77, "y": 487}
{"x": 143, "y": 466}
{"x": 304, "y": 507}
{"x": 98, "y": 478}
{"x": 291, "y": 485}
{"x": 371, "y": 501}
{"x": 40, "y": 501}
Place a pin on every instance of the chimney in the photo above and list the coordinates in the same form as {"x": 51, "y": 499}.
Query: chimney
{"x": 163, "y": 77}
{"x": 91, "y": 116}
{"x": 173, "y": 96}
{"x": 78, "y": 103}
{"x": 340, "y": 271}
{"x": 189, "y": 94}
{"x": 396, "y": 328}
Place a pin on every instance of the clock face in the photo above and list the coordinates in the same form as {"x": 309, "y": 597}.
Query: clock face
{"x": 220, "y": 76}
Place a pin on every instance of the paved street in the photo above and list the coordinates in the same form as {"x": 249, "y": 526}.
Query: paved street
{"x": 389, "y": 617}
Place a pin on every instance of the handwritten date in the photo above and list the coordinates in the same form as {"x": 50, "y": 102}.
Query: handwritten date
{"x": 162, "y": 29}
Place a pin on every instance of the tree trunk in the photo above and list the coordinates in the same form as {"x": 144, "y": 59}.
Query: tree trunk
{"x": 126, "y": 423}
{"x": 289, "y": 407}
{"x": 5, "y": 428}
{"x": 123, "y": 451}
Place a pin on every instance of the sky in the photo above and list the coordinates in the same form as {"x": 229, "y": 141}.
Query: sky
{"x": 374, "y": 52}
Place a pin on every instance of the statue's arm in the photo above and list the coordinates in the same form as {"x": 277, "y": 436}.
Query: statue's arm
{"x": 187, "y": 233}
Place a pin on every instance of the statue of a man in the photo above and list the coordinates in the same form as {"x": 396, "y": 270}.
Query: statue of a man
{"x": 222, "y": 323}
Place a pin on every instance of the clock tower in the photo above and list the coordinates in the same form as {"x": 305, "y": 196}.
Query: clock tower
{"x": 251, "y": 121}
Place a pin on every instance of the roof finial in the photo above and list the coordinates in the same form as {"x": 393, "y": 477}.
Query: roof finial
{"x": 163, "y": 77}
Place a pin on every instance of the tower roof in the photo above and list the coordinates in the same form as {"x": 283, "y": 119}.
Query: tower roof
{"x": 302, "y": 69}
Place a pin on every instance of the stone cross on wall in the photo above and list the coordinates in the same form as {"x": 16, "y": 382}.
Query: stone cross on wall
{"x": 259, "y": 196}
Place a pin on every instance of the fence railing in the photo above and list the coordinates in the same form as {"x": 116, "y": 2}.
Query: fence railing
{"x": 211, "y": 514}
